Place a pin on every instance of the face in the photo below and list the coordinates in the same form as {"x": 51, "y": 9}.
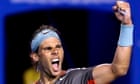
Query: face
{"x": 51, "y": 56}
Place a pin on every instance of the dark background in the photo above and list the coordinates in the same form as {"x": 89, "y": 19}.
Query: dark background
{"x": 19, "y": 28}
{"x": 84, "y": 46}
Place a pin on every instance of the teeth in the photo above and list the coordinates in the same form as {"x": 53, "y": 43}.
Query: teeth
{"x": 55, "y": 60}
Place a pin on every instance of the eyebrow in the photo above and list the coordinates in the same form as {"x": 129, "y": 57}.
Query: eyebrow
{"x": 57, "y": 45}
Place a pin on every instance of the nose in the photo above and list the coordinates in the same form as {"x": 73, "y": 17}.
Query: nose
{"x": 54, "y": 51}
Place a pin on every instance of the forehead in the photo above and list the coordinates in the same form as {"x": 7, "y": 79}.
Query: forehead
{"x": 50, "y": 41}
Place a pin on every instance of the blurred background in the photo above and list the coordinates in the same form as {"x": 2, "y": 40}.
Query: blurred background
{"x": 89, "y": 31}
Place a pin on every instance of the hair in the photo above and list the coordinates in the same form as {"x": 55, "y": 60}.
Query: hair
{"x": 43, "y": 27}
{"x": 40, "y": 29}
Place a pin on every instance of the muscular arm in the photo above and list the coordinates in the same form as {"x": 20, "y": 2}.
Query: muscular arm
{"x": 106, "y": 73}
{"x": 121, "y": 60}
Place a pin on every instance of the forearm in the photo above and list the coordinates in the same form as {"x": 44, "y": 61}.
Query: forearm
{"x": 106, "y": 73}
{"x": 122, "y": 57}
{"x": 121, "y": 60}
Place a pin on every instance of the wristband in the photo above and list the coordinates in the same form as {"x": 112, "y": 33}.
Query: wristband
{"x": 126, "y": 35}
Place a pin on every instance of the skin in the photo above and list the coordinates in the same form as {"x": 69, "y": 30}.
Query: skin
{"x": 106, "y": 73}
{"x": 103, "y": 73}
{"x": 49, "y": 49}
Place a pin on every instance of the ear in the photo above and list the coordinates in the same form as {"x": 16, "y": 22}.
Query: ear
{"x": 34, "y": 57}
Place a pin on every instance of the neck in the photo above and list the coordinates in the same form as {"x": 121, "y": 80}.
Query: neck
{"x": 46, "y": 79}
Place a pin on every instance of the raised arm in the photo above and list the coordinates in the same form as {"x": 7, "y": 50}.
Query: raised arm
{"x": 106, "y": 73}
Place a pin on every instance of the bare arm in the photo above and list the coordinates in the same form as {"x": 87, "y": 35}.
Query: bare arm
{"x": 106, "y": 73}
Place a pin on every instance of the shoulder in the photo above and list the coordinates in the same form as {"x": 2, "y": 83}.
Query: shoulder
{"x": 77, "y": 73}
{"x": 73, "y": 70}
{"x": 79, "y": 70}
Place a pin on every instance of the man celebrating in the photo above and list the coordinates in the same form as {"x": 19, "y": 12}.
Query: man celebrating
{"x": 47, "y": 55}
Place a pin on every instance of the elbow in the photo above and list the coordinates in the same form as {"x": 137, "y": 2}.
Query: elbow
{"x": 120, "y": 70}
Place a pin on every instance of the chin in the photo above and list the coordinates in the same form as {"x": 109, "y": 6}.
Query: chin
{"x": 55, "y": 74}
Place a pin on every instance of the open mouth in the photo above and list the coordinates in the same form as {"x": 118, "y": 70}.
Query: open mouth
{"x": 55, "y": 64}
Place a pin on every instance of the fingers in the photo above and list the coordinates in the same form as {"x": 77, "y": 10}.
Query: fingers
{"x": 122, "y": 4}
{"x": 122, "y": 7}
{"x": 115, "y": 7}
{"x": 123, "y": 12}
